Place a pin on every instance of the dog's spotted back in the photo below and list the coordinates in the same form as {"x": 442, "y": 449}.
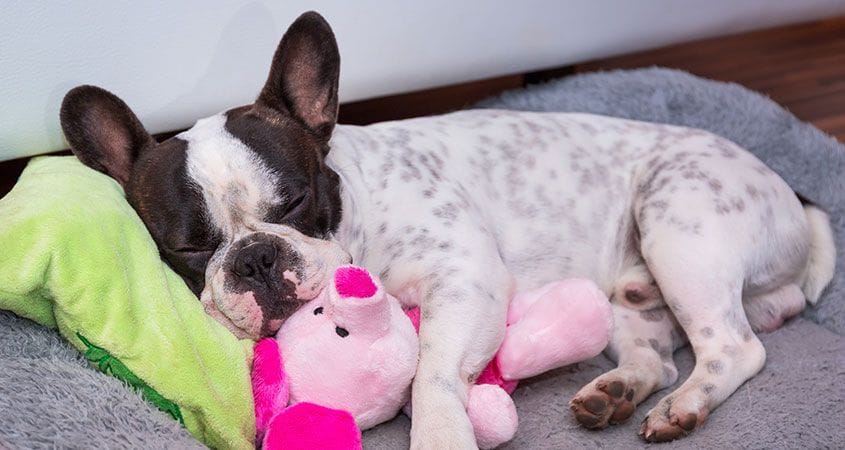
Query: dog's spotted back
{"x": 457, "y": 211}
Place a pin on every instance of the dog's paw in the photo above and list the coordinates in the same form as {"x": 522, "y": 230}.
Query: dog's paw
{"x": 606, "y": 401}
{"x": 671, "y": 420}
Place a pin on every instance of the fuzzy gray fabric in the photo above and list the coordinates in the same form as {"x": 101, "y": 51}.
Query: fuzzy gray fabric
{"x": 49, "y": 397}
{"x": 796, "y": 401}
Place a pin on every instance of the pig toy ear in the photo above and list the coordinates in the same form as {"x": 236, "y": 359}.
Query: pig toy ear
{"x": 359, "y": 304}
{"x": 308, "y": 426}
{"x": 270, "y": 388}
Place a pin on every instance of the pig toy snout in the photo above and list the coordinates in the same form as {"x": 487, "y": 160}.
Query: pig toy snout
{"x": 358, "y": 304}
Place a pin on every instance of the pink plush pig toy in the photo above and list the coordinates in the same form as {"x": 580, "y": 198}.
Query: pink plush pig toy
{"x": 345, "y": 361}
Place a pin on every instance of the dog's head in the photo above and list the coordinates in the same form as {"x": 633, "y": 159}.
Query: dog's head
{"x": 240, "y": 205}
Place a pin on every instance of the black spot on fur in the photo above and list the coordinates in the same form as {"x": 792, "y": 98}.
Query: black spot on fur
{"x": 730, "y": 350}
{"x": 653, "y": 315}
{"x": 715, "y": 367}
{"x": 715, "y": 185}
{"x": 447, "y": 211}
{"x": 752, "y": 191}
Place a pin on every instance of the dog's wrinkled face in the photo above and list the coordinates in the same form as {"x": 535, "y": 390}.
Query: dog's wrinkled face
{"x": 241, "y": 205}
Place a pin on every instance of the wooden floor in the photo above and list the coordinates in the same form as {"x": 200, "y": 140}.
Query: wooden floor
{"x": 802, "y": 67}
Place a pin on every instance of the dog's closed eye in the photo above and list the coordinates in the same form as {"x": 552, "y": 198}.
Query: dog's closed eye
{"x": 192, "y": 250}
{"x": 294, "y": 205}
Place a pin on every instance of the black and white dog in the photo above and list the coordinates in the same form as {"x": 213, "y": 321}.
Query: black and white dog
{"x": 693, "y": 237}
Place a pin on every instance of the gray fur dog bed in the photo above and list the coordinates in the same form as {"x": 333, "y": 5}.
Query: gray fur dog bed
{"x": 49, "y": 397}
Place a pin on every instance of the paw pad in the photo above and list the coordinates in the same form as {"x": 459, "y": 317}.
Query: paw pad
{"x": 606, "y": 403}
{"x": 659, "y": 427}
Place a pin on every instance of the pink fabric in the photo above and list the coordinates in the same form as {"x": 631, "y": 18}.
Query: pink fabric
{"x": 492, "y": 375}
{"x": 414, "y": 315}
{"x": 269, "y": 384}
{"x": 352, "y": 281}
{"x": 358, "y": 354}
{"x": 357, "y": 359}
{"x": 307, "y": 426}
{"x": 559, "y": 324}
{"x": 492, "y": 414}
{"x": 549, "y": 327}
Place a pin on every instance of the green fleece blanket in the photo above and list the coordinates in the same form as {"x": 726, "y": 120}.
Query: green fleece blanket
{"x": 76, "y": 257}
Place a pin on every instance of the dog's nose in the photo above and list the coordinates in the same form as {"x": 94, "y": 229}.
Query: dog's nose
{"x": 255, "y": 261}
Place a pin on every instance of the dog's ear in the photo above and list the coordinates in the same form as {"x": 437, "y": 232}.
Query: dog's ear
{"x": 304, "y": 75}
{"x": 103, "y": 132}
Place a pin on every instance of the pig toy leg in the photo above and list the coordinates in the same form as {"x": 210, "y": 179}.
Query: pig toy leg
{"x": 493, "y": 415}
{"x": 559, "y": 324}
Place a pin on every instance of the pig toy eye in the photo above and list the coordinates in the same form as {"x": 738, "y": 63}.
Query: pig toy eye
{"x": 319, "y": 310}
{"x": 341, "y": 332}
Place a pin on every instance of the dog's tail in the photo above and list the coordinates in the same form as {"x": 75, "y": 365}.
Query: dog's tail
{"x": 820, "y": 267}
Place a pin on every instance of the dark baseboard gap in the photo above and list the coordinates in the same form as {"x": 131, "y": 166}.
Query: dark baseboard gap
{"x": 542, "y": 76}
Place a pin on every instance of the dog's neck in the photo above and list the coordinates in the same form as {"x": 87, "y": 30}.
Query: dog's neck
{"x": 347, "y": 158}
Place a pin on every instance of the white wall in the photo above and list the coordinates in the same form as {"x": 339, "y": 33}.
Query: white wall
{"x": 176, "y": 61}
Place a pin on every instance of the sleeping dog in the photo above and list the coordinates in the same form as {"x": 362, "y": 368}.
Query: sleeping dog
{"x": 693, "y": 237}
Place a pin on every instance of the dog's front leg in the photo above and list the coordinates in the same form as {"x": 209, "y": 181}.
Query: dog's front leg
{"x": 463, "y": 322}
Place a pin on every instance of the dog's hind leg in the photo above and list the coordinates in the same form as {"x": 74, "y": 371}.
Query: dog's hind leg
{"x": 642, "y": 344}
{"x": 704, "y": 293}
